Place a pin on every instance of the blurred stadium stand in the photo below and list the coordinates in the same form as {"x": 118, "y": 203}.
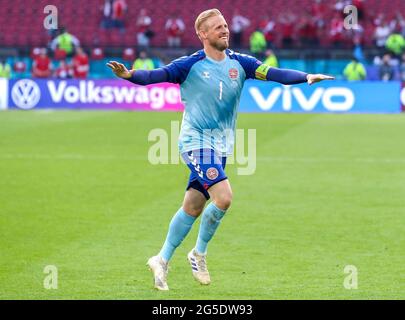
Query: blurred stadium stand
{"x": 22, "y": 28}
{"x": 20, "y": 25}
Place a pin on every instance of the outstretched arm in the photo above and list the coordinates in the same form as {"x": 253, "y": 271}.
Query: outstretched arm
{"x": 141, "y": 77}
{"x": 287, "y": 76}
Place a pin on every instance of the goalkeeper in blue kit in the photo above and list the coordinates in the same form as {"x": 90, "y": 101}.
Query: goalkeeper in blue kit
{"x": 211, "y": 82}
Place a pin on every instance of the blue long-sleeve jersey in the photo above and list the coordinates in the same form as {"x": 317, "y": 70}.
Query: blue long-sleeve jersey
{"x": 210, "y": 92}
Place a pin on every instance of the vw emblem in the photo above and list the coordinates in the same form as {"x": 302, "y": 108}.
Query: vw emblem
{"x": 26, "y": 94}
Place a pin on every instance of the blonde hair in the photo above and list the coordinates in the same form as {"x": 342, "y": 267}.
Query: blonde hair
{"x": 204, "y": 16}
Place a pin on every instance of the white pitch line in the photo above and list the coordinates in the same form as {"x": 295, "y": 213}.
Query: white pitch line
{"x": 75, "y": 156}
{"x": 329, "y": 159}
{"x": 69, "y": 157}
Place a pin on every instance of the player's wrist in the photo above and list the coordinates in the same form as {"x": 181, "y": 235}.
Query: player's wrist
{"x": 128, "y": 75}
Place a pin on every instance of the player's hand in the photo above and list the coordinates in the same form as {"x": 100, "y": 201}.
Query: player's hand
{"x": 119, "y": 70}
{"x": 314, "y": 78}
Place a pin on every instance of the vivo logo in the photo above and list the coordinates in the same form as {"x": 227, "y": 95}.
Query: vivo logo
{"x": 87, "y": 92}
{"x": 403, "y": 96}
{"x": 332, "y": 99}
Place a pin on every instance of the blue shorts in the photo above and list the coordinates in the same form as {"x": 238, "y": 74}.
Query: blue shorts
{"x": 207, "y": 168}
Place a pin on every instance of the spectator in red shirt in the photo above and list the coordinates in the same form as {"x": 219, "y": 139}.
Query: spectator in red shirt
{"x": 336, "y": 32}
{"x": 318, "y": 12}
{"x": 268, "y": 26}
{"x": 42, "y": 65}
{"x": 308, "y": 31}
{"x": 119, "y": 8}
{"x": 64, "y": 71}
{"x": 175, "y": 28}
{"x": 287, "y": 22}
{"x": 80, "y": 64}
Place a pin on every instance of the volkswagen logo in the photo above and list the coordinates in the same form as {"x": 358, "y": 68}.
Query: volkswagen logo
{"x": 25, "y": 94}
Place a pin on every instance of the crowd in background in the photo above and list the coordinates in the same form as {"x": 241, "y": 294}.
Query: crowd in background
{"x": 288, "y": 29}
{"x": 114, "y": 12}
{"x": 303, "y": 31}
{"x": 285, "y": 31}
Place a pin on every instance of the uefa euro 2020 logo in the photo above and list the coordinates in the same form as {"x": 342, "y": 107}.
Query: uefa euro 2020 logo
{"x": 25, "y": 94}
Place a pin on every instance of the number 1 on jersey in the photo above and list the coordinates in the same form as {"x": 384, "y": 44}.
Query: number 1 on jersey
{"x": 220, "y": 90}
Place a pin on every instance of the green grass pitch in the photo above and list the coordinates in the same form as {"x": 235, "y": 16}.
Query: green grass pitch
{"x": 77, "y": 192}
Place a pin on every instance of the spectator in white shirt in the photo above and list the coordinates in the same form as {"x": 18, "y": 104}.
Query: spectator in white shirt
{"x": 239, "y": 24}
{"x": 175, "y": 28}
{"x": 106, "y": 22}
{"x": 381, "y": 33}
{"x": 143, "y": 24}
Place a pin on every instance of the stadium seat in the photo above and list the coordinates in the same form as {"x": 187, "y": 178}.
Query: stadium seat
{"x": 129, "y": 54}
{"x": 35, "y": 52}
{"x": 19, "y": 66}
{"x": 83, "y": 19}
{"x": 97, "y": 54}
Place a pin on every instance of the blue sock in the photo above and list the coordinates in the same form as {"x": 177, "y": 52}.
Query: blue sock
{"x": 178, "y": 229}
{"x": 210, "y": 220}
